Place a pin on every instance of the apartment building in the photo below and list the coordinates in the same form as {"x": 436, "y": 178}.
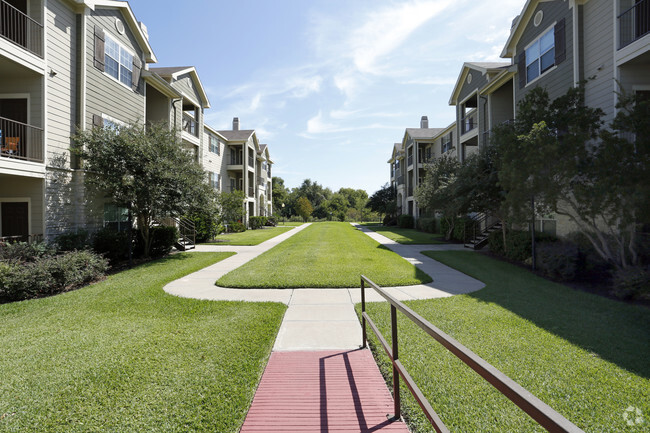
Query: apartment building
{"x": 554, "y": 44}
{"x": 69, "y": 65}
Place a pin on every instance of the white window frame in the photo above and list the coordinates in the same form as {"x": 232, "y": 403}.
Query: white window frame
{"x": 115, "y": 122}
{"x": 118, "y": 79}
{"x": 537, "y": 40}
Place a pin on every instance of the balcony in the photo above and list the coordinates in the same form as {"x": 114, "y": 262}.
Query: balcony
{"x": 409, "y": 160}
{"x": 468, "y": 123}
{"x": 251, "y": 191}
{"x": 190, "y": 125}
{"x": 21, "y": 141}
{"x": 251, "y": 160}
{"x": 21, "y": 29}
{"x": 634, "y": 23}
{"x": 400, "y": 180}
{"x": 261, "y": 182}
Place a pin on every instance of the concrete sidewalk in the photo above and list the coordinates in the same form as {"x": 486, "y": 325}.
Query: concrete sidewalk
{"x": 322, "y": 319}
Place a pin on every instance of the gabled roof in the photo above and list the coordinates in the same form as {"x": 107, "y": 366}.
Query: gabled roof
{"x": 489, "y": 68}
{"x": 422, "y": 133}
{"x": 262, "y": 148}
{"x": 160, "y": 84}
{"x": 214, "y": 131}
{"x": 241, "y": 135}
{"x": 522, "y": 21}
{"x": 172, "y": 73}
{"x": 397, "y": 149}
{"x": 132, "y": 22}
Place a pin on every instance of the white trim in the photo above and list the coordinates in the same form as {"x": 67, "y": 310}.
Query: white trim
{"x": 113, "y": 120}
{"x": 540, "y": 76}
{"x": 84, "y": 74}
{"x": 107, "y": 35}
{"x": 29, "y": 210}
{"x": 576, "y": 47}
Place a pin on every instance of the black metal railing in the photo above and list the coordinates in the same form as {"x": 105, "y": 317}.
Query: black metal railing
{"x": 261, "y": 182}
{"x": 400, "y": 180}
{"x": 190, "y": 125}
{"x": 251, "y": 160}
{"x": 21, "y": 29}
{"x": 546, "y": 416}
{"x": 634, "y": 23}
{"x": 251, "y": 191}
{"x": 409, "y": 160}
{"x": 468, "y": 123}
{"x": 21, "y": 141}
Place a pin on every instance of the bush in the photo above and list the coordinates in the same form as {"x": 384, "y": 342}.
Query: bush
{"x": 389, "y": 220}
{"x": 206, "y": 225}
{"x": 462, "y": 226}
{"x": 632, "y": 282}
{"x": 72, "y": 241}
{"x": 49, "y": 275}
{"x": 406, "y": 221}
{"x": 236, "y": 227}
{"x": 519, "y": 244}
{"x": 271, "y": 221}
{"x": 426, "y": 224}
{"x": 163, "y": 239}
{"x": 111, "y": 244}
{"x": 257, "y": 222}
{"x": 558, "y": 260}
{"x": 24, "y": 252}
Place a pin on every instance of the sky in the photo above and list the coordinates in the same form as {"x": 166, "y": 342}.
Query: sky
{"x": 329, "y": 85}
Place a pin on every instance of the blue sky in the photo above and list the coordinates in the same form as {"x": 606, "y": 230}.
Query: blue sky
{"x": 329, "y": 85}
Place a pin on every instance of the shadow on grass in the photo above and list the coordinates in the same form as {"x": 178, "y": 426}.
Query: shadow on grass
{"x": 612, "y": 330}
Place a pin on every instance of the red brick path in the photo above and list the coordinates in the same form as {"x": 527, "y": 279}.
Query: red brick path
{"x": 323, "y": 392}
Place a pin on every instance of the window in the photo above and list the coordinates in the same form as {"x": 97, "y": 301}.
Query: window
{"x": 214, "y": 144}
{"x": 540, "y": 56}
{"x": 116, "y": 217}
{"x": 118, "y": 62}
{"x": 215, "y": 180}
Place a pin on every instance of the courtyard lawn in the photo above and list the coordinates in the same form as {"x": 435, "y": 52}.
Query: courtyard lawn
{"x": 249, "y": 237}
{"x": 584, "y": 355}
{"x": 407, "y": 236}
{"x": 123, "y": 356}
{"x": 326, "y": 254}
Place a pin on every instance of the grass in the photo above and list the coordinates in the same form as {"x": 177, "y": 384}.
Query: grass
{"x": 327, "y": 254}
{"x": 407, "y": 236}
{"x": 584, "y": 355}
{"x": 123, "y": 356}
{"x": 249, "y": 237}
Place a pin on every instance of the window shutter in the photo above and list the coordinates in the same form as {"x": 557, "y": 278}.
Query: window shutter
{"x": 521, "y": 69}
{"x": 99, "y": 48}
{"x": 560, "y": 42}
{"x": 137, "y": 67}
{"x": 98, "y": 121}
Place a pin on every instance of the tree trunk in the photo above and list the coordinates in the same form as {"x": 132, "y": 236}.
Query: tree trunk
{"x": 143, "y": 223}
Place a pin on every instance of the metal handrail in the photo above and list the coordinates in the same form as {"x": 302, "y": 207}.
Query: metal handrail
{"x": 634, "y": 23}
{"x": 21, "y": 29}
{"x": 543, "y": 414}
{"x": 21, "y": 140}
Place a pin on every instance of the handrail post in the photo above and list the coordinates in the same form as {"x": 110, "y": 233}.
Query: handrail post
{"x": 393, "y": 322}
{"x": 363, "y": 310}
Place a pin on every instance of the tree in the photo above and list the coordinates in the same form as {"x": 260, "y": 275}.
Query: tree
{"x": 231, "y": 205}
{"x": 558, "y": 154}
{"x": 280, "y": 196}
{"x": 145, "y": 169}
{"x": 383, "y": 201}
{"x": 304, "y": 208}
{"x": 437, "y": 193}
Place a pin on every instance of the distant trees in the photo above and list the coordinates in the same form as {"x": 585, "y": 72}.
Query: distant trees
{"x": 304, "y": 208}
{"x": 383, "y": 201}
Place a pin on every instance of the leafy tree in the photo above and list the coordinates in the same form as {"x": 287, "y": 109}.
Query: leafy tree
{"x": 232, "y": 206}
{"x": 280, "y": 196}
{"x": 437, "y": 193}
{"x": 337, "y": 206}
{"x": 383, "y": 201}
{"x": 304, "y": 208}
{"x": 144, "y": 168}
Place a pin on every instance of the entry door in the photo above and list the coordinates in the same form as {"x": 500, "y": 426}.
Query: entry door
{"x": 15, "y": 219}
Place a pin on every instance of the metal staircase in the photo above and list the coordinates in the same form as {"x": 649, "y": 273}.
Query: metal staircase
{"x": 186, "y": 234}
{"x": 477, "y": 234}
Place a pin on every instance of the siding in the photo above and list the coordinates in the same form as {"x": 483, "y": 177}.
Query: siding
{"x": 598, "y": 52}
{"x": 501, "y": 104}
{"x": 28, "y": 83}
{"x": 21, "y": 187}
{"x": 478, "y": 82}
{"x": 157, "y": 106}
{"x": 559, "y": 79}
{"x": 105, "y": 94}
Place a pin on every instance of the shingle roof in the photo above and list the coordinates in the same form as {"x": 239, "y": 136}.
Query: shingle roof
{"x": 241, "y": 135}
{"x": 262, "y": 148}
{"x": 423, "y": 133}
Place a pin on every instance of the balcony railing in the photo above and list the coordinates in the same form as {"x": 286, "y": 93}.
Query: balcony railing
{"x": 190, "y": 125}
{"x": 251, "y": 191}
{"x": 634, "y": 23}
{"x": 251, "y": 160}
{"x": 21, "y": 29}
{"x": 409, "y": 160}
{"x": 468, "y": 123}
{"x": 410, "y": 191}
{"x": 20, "y": 140}
{"x": 235, "y": 159}
{"x": 261, "y": 182}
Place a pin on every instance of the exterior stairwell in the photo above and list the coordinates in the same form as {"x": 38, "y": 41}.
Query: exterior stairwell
{"x": 186, "y": 234}
{"x": 477, "y": 234}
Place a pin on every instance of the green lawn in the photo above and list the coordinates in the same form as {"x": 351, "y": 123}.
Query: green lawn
{"x": 123, "y": 356}
{"x": 584, "y": 355}
{"x": 407, "y": 236}
{"x": 326, "y": 254}
{"x": 250, "y": 237}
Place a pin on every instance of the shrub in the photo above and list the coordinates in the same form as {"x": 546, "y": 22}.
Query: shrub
{"x": 632, "y": 282}
{"x": 271, "y": 221}
{"x": 295, "y": 219}
{"x": 519, "y": 244}
{"x": 257, "y": 222}
{"x": 236, "y": 227}
{"x": 206, "y": 225}
{"x": 426, "y": 224}
{"x": 23, "y": 251}
{"x": 558, "y": 260}
{"x": 163, "y": 239}
{"x": 49, "y": 275}
{"x": 111, "y": 244}
{"x": 389, "y": 220}
{"x": 406, "y": 221}
{"x": 72, "y": 241}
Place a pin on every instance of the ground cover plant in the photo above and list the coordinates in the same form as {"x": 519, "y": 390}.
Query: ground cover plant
{"x": 123, "y": 356}
{"x": 584, "y": 355}
{"x": 408, "y": 236}
{"x": 249, "y": 237}
{"x": 327, "y": 254}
